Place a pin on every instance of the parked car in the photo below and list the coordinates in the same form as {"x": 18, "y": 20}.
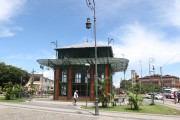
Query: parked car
{"x": 158, "y": 96}
{"x": 121, "y": 92}
{"x": 148, "y": 95}
{"x": 178, "y": 96}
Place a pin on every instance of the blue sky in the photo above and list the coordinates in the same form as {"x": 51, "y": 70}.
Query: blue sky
{"x": 141, "y": 29}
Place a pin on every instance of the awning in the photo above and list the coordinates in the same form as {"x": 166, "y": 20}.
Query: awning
{"x": 117, "y": 64}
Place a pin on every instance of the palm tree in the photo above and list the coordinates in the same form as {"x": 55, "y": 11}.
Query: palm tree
{"x": 9, "y": 90}
{"x": 103, "y": 97}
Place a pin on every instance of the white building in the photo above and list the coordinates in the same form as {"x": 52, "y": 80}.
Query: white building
{"x": 42, "y": 84}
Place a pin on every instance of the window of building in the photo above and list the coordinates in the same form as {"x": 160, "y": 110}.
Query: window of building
{"x": 87, "y": 78}
{"x": 36, "y": 78}
{"x": 78, "y": 78}
{"x": 102, "y": 76}
{"x": 64, "y": 76}
{"x": 63, "y": 90}
{"x": 81, "y": 89}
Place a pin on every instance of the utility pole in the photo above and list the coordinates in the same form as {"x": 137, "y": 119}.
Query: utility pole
{"x": 151, "y": 60}
{"x": 31, "y": 85}
{"x": 141, "y": 74}
{"x": 162, "y": 84}
{"x": 42, "y": 67}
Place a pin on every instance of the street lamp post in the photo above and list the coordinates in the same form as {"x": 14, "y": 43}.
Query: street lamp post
{"x": 91, "y": 5}
{"x": 42, "y": 67}
{"x": 110, "y": 40}
{"x": 56, "y": 45}
{"x": 21, "y": 86}
{"x": 31, "y": 85}
{"x": 141, "y": 73}
{"x": 124, "y": 70}
{"x": 151, "y": 60}
{"x": 87, "y": 67}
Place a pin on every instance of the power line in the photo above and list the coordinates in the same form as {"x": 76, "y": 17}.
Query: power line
{"x": 171, "y": 58}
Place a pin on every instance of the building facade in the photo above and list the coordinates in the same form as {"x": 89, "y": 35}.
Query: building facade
{"x": 42, "y": 85}
{"x": 167, "y": 81}
{"x": 70, "y": 72}
{"x": 134, "y": 77}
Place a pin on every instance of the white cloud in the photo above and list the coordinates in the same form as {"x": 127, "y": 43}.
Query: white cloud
{"x": 154, "y": 35}
{"x": 12, "y": 56}
{"x": 9, "y": 31}
{"x": 168, "y": 12}
{"x": 8, "y": 10}
{"x": 49, "y": 74}
{"x": 139, "y": 42}
{"x": 6, "y": 32}
{"x": 161, "y": 12}
{"x": 105, "y": 7}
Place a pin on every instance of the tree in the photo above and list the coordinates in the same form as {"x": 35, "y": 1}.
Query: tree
{"x": 102, "y": 95}
{"x": 17, "y": 90}
{"x": 135, "y": 100}
{"x": 11, "y": 73}
{"x": 9, "y": 90}
{"x": 137, "y": 88}
{"x": 126, "y": 84}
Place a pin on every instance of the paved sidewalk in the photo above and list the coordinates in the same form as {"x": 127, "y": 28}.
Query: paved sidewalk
{"x": 75, "y": 111}
{"x": 171, "y": 104}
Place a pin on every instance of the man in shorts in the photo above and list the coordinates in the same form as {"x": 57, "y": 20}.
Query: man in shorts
{"x": 75, "y": 97}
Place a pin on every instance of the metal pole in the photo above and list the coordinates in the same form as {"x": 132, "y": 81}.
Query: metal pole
{"x": 96, "y": 102}
{"x": 42, "y": 83}
{"x": 86, "y": 89}
{"x": 162, "y": 84}
{"x": 56, "y": 50}
{"x": 56, "y": 45}
{"x": 87, "y": 66}
{"x": 92, "y": 7}
{"x": 32, "y": 80}
{"x": 21, "y": 89}
{"x": 152, "y": 93}
{"x": 141, "y": 74}
{"x": 150, "y": 79}
{"x": 110, "y": 40}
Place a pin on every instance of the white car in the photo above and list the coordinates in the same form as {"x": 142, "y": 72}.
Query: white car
{"x": 158, "y": 97}
{"x": 148, "y": 95}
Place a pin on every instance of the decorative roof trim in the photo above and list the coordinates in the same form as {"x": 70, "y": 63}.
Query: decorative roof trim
{"x": 82, "y": 45}
{"x": 117, "y": 64}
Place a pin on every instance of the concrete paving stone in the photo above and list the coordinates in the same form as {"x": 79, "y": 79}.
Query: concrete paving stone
{"x": 43, "y": 109}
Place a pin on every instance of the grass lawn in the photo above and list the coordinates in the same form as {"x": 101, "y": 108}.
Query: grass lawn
{"x": 2, "y": 99}
{"x": 151, "y": 109}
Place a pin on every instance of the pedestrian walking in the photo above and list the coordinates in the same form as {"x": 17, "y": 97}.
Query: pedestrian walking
{"x": 175, "y": 97}
{"x": 75, "y": 97}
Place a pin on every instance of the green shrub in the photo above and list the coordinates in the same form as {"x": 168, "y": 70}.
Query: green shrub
{"x": 134, "y": 100}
